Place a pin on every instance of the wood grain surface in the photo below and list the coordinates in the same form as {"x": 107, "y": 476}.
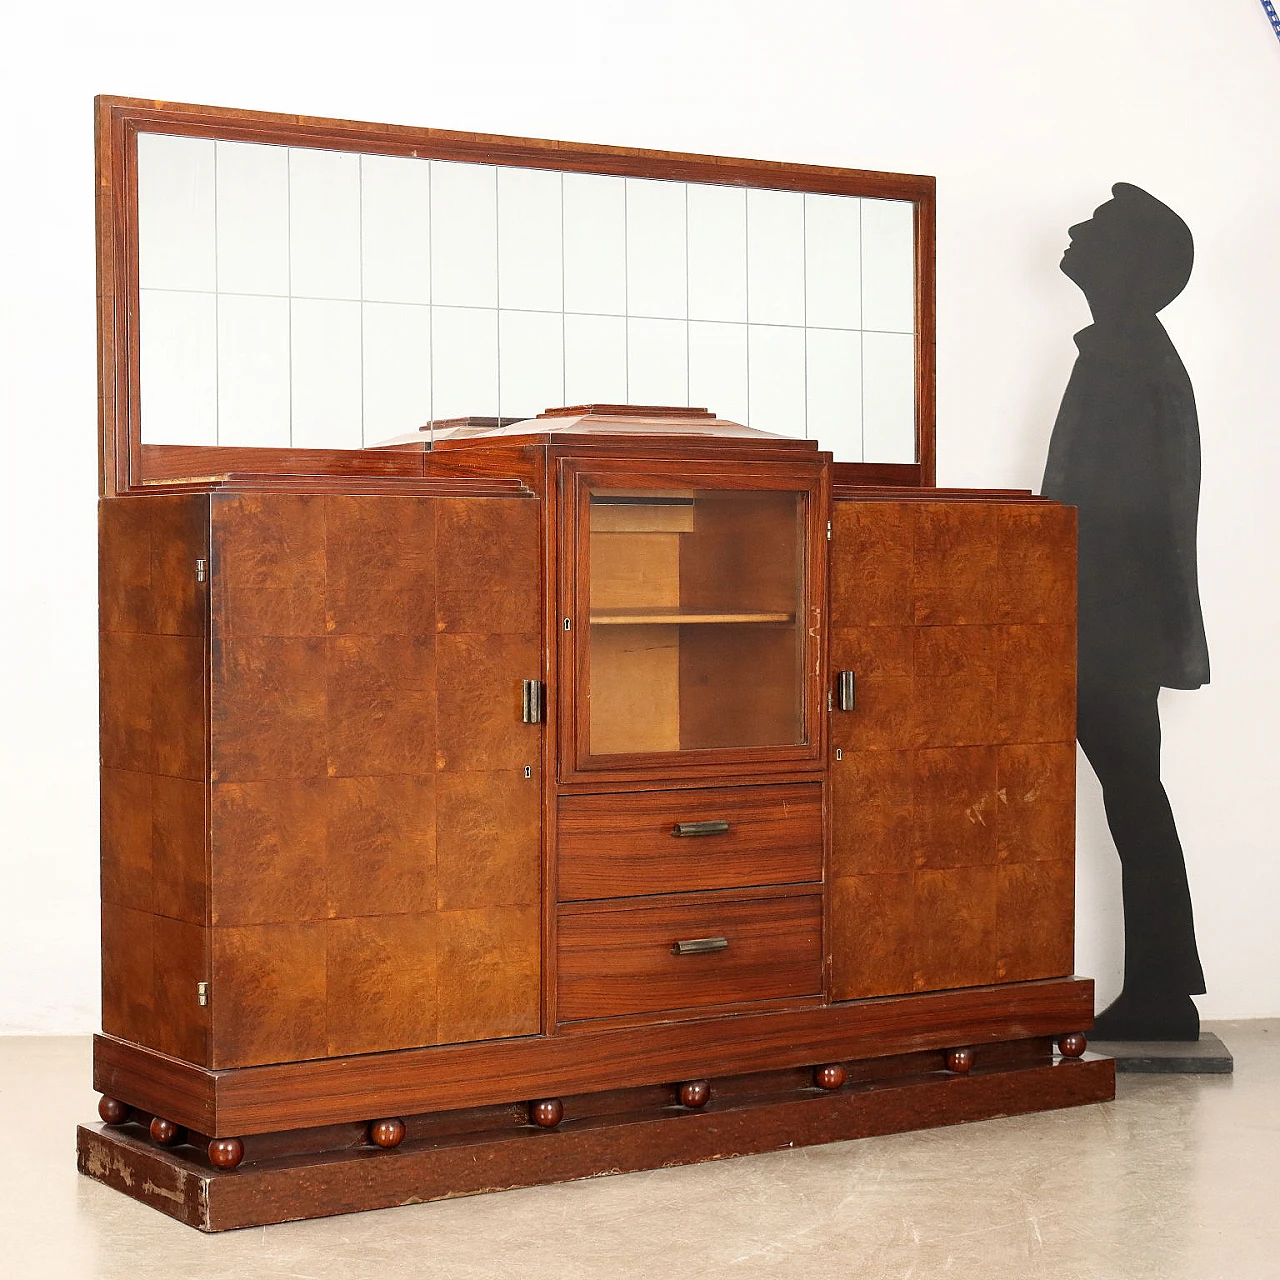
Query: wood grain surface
{"x": 406, "y": 1082}
{"x": 611, "y": 961}
{"x": 319, "y": 796}
{"x": 953, "y": 801}
{"x": 612, "y": 845}
{"x": 152, "y": 682}
{"x": 320, "y": 1185}
{"x": 375, "y": 877}
{"x": 282, "y": 766}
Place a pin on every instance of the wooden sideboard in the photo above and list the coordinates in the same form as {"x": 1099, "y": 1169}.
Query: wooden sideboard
{"x": 613, "y": 789}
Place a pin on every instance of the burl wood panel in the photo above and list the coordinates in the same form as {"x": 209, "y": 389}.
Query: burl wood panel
{"x": 613, "y": 962}
{"x": 375, "y": 844}
{"x": 152, "y": 619}
{"x": 612, "y": 846}
{"x": 953, "y": 803}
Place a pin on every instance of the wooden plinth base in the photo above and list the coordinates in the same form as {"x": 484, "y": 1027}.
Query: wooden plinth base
{"x": 318, "y": 1185}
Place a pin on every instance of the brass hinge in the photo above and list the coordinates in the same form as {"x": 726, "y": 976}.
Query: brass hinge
{"x": 201, "y": 566}
{"x": 828, "y": 530}
{"x": 202, "y": 994}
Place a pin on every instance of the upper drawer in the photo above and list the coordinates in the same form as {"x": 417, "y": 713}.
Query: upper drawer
{"x": 624, "y": 844}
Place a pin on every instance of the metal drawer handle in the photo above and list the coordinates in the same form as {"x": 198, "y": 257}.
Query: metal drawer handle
{"x": 699, "y": 946}
{"x": 716, "y": 827}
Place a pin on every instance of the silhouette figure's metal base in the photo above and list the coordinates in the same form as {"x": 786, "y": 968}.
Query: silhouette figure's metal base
{"x": 1206, "y": 1056}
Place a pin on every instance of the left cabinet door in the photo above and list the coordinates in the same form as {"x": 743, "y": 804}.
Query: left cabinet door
{"x": 374, "y": 839}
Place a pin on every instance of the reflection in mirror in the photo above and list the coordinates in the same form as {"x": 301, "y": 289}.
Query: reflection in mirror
{"x": 294, "y": 296}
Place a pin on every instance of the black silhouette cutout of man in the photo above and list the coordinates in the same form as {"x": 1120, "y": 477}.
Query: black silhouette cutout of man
{"x": 1125, "y": 450}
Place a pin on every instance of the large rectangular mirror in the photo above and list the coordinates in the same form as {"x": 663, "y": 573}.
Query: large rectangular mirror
{"x": 321, "y": 285}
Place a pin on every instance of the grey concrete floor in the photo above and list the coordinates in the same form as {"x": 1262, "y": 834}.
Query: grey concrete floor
{"x": 1178, "y": 1179}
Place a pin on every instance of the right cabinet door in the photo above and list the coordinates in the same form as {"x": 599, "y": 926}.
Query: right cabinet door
{"x": 953, "y": 794}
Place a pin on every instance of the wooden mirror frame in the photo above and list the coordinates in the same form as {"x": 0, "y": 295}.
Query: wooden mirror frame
{"x": 127, "y": 465}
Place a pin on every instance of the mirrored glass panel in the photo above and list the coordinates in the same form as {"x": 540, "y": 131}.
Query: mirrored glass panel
{"x": 303, "y": 296}
{"x": 695, "y": 619}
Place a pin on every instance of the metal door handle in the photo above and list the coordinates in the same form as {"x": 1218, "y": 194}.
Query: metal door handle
{"x": 531, "y": 702}
{"x": 699, "y": 946}
{"x": 845, "y": 681}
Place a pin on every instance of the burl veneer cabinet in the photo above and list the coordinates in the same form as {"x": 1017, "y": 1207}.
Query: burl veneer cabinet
{"x": 618, "y": 791}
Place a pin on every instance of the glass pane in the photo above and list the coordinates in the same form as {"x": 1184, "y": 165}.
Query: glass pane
{"x": 696, "y": 637}
{"x": 522, "y": 289}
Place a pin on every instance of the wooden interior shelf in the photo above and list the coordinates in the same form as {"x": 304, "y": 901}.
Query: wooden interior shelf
{"x": 648, "y": 617}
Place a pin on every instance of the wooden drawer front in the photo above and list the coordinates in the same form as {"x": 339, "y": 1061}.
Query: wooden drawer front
{"x": 618, "y": 845}
{"x": 616, "y": 961}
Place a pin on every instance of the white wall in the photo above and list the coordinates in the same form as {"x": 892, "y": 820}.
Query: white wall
{"x": 1026, "y": 110}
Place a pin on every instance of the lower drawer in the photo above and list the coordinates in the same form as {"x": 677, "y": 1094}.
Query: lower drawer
{"x": 622, "y": 959}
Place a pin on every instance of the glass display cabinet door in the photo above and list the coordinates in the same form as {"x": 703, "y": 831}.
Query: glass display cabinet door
{"x": 690, "y": 634}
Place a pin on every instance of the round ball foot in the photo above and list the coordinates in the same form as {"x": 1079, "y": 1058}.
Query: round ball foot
{"x": 113, "y": 1111}
{"x": 546, "y": 1114}
{"x": 386, "y": 1133}
{"x": 960, "y": 1061}
{"x": 695, "y": 1094}
{"x": 226, "y": 1153}
{"x": 165, "y": 1132}
{"x": 830, "y": 1077}
{"x": 1072, "y": 1045}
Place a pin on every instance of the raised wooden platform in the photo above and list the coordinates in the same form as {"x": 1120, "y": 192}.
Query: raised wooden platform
{"x": 642, "y": 1129}
{"x": 327, "y": 1091}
